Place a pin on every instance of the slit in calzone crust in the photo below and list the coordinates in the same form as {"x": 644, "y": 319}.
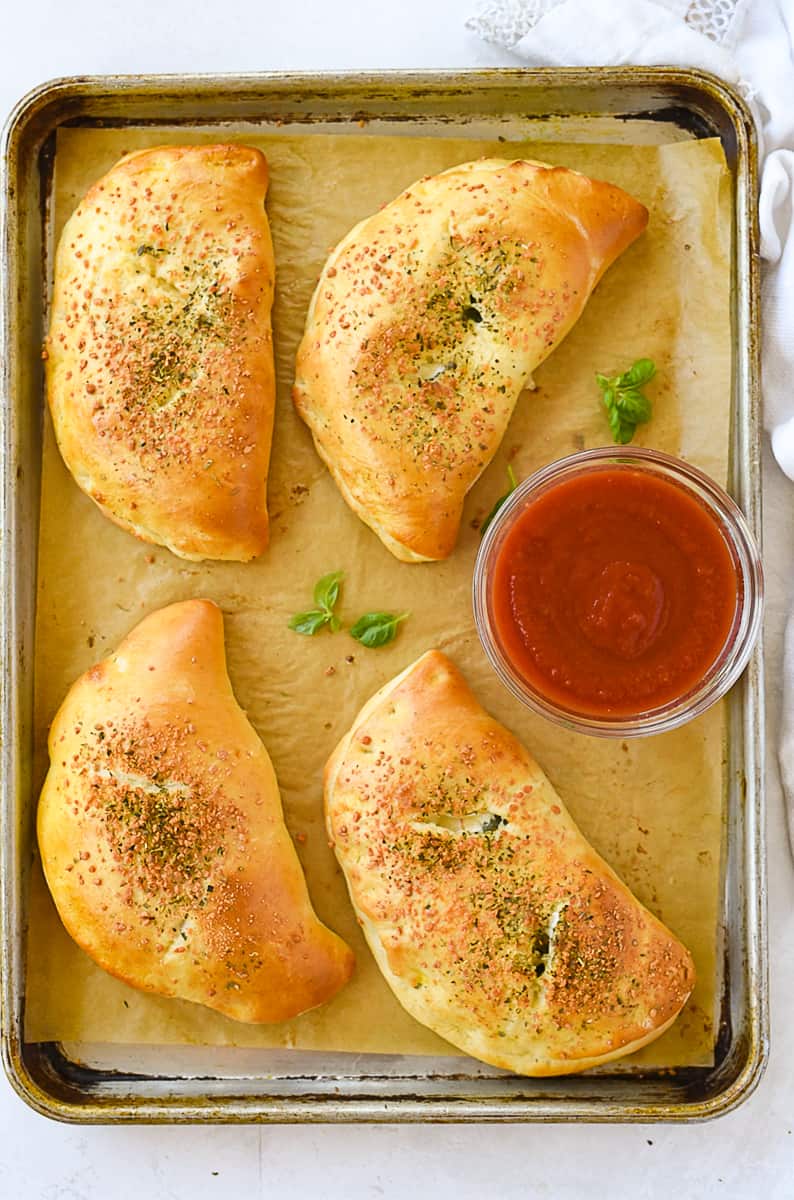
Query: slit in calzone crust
{"x": 162, "y": 836}
{"x": 160, "y": 375}
{"x": 493, "y": 920}
{"x": 428, "y": 321}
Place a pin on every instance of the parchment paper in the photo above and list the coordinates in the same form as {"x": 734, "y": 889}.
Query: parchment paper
{"x": 652, "y": 807}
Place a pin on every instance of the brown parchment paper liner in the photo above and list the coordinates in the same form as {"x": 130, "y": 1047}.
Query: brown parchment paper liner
{"x": 652, "y": 807}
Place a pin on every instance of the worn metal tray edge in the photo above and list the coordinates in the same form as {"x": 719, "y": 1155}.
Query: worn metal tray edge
{"x": 24, "y": 1072}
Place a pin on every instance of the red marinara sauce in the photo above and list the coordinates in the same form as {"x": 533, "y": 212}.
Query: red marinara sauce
{"x": 613, "y": 592}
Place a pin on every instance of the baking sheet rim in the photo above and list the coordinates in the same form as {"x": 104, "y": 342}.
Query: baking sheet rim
{"x": 745, "y": 220}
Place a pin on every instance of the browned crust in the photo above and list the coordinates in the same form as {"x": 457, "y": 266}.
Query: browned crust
{"x": 427, "y": 322}
{"x": 520, "y": 946}
{"x": 160, "y": 374}
{"x": 162, "y": 837}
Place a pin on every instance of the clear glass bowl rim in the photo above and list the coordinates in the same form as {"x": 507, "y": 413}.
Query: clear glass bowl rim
{"x": 747, "y": 621}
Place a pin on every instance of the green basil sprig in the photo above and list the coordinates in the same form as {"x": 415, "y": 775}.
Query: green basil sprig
{"x": 373, "y": 629}
{"x": 625, "y": 403}
{"x": 326, "y": 594}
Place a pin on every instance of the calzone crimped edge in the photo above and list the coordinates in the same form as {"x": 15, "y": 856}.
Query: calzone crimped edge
{"x": 162, "y": 836}
{"x": 427, "y": 322}
{"x": 492, "y": 919}
{"x": 160, "y": 373}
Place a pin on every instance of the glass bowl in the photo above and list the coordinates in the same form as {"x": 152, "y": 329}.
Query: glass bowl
{"x": 723, "y": 670}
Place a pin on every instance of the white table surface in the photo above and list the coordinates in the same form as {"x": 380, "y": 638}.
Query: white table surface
{"x": 747, "y": 1154}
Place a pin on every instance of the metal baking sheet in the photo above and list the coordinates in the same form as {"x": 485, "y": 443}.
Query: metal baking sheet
{"x": 118, "y": 1083}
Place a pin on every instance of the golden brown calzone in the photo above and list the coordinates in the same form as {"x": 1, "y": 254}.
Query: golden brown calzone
{"x": 427, "y": 322}
{"x": 162, "y": 837}
{"x": 160, "y": 356}
{"x": 492, "y": 919}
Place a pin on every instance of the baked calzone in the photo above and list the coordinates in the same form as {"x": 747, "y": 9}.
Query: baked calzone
{"x": 162, "y": 837}
{"x": 492, "y": 919}
{"x": 427, "y": 322}
{"x": 160, "y": 355}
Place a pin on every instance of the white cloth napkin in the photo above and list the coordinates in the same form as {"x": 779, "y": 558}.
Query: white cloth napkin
{"x": 749, "y": 43}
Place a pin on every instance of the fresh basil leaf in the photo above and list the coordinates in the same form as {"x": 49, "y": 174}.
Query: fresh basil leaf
{"x": 642, "y": 372}
{"x": 310, "y": 622}
{"x": 625, "y": 433}
{"x": 615, "y": 423}
{"x": 326, "y": 590}
{"x": 622, "y": 427}
{"x": 487, "y": 520}
{"x": 602, "y": 380}
{"x": 634, "y": 407}
{"x": 375, "y": 629}
{"x": 513, "y": 485}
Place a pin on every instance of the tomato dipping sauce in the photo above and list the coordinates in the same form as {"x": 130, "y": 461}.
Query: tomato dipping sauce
{"x": 613, "y": 592}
